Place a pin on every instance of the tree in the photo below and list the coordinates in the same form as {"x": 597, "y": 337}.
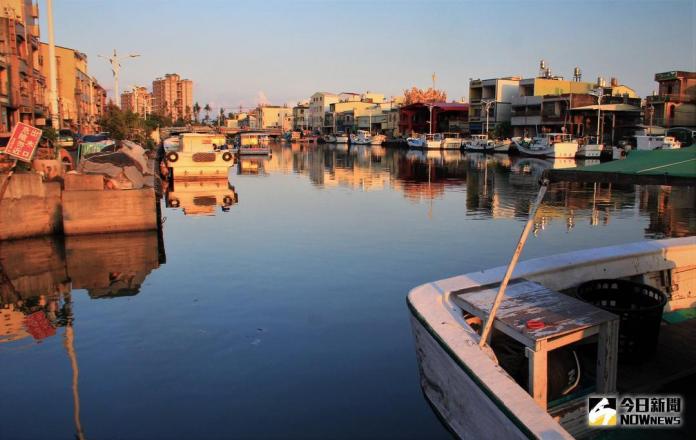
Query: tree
{"x": 415, "y": 95}
{"x": 196, "y": 111}
{"x": 207, "y": 110}
{"x": 128, "y": 125}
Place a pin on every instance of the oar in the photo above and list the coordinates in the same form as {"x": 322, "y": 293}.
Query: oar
{"x": 513, "y": 262}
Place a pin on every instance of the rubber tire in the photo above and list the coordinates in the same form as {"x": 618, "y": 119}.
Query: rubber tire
{"x": 174, "y": 203}
{"x": 172, "y": 156}
{"x": 227, "y": 156}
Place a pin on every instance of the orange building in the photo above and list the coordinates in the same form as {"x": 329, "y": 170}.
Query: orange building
{"x": 173, "y": 97}
{"x": 138, "y": 100}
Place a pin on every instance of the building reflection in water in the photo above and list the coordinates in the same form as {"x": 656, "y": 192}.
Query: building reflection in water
{"x": 37, "y": 277}
{"x": 201, "y": 197}
{"x": 496, "y": 186}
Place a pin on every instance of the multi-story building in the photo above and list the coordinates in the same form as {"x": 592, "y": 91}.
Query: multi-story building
{"x": 22, "y": 85}
{"x": 138, "y": 100}
{"x": 494, "y": 96}
{"x": 319, "y": 104}
{"x": 173, "y": 97}
{"x": 675, "y": 102}
{"x": 300, "y": 115}
{"x": 77, "y": 100}
{"x": 274, "y": 116}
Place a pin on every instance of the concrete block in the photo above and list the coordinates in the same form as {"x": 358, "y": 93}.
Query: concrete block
{"x": 30, "y": 207}
{"x": 95, "y": 212}
{"x": 83, "y": 182}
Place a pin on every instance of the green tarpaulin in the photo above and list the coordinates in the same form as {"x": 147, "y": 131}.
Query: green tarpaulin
{"x": 657, "y": 167}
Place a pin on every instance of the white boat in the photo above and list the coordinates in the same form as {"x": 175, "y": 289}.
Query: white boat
{"x": 329, "y": 138}
{"x": 377, "y": 139}
{"x": 479, "y": 142}
{"x": 468, "y": 385}
{"x": 502, "y": 146}
{"x": 253, "y": 143}
{"x": 590, "y": 148}
{"x": 197, "y": 155}
{"x": 361, "y": 137}
{"x": 416, "y": 142}
{"x": 451, "y": 141}
{"x": 341, "y": 138}
{"x": 433, "y": 141}
{"x": 653, "y": 142}
{"x": 559, "y": 145}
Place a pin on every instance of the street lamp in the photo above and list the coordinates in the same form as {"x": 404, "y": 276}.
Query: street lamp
{"x": 599, "y": 93}
{"x": 115, "y": 69}
{"x": 487, "y": 104}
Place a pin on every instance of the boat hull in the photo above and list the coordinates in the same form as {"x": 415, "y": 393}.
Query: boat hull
{"x": 590, "y": 151}
{"x": 563, "y": 150}
{"x": 415, "y": 143}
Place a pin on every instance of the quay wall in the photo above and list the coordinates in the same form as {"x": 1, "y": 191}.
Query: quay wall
{"x": 32, "y": 208}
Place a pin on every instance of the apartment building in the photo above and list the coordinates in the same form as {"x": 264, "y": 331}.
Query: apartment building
{"x": 319, "y": 104}
{"x": 138, "y": 100}
{"x": 494, "y": 96}
{"x": 173, "y": 97}
{"x": 274, "y": 116}
{"x": 22, "y": 84}
{"x": 300, "y": 115}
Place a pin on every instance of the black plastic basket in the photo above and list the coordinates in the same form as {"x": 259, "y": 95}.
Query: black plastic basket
{"x": 640, "y": 311}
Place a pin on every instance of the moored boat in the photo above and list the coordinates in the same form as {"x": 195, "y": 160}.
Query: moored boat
{"x": 479, "y": 142}
{"x": 251, "y": 143}
{"x": 433, "y": 141}
{"x": 451, "y": 141}
{"x": 377, "y": 139}
{"x": 653, "y": 142}
{"x": 590, "y": 148}
{"x": 416, "y": 141}
{"x": 361, "y": 137}
{"x": 502, "y": 146}
{"x": 341, "y": 138}
{"x": 198, "y": 155}
{"x": 550, "y": 145}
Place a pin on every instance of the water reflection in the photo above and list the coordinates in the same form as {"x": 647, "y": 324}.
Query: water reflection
{"x": 201, "y": 197}
{"x": 497, "y": 186}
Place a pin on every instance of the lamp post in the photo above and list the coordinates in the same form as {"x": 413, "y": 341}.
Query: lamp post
{"x": 599, "y": 93}
{"x": 52, "y": 70}
{"x": 115, "y": 69}
{"x": 487, "y": 104}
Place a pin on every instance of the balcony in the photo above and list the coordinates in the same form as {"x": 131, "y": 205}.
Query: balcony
{"x": 526, "y": 100}
{"x": 525, "y": 120}
{"x": 681, "y": 97}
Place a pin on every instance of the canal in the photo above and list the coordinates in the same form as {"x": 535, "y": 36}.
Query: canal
{"x": 273, "y": 304}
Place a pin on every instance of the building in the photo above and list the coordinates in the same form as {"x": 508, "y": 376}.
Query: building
{"x": 446, "y": 117}
{"x": 300, "y": 115}
{"x": 78, "y": 93}
{"x": 173, "y": 97}
{"x": 319, "y": 104}
{"x": 274, "y": 117}
{"x": 675, "y": 102}
{"x": 22, "y": 84}
{"x": 234, "y": 120}
{"x": 493, "y": 96}
{"x": 138, "y": 101}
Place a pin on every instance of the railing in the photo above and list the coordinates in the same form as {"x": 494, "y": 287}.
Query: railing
{"x": 681, "y": 97}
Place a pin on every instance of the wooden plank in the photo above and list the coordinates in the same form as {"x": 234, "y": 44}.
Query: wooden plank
{"x": 83, "y": 182}
{"x": 94, "y": 212}
{"x": 525, "y": 301}
{"x": 607, "y": 355}
{"x": 538, "y": 375}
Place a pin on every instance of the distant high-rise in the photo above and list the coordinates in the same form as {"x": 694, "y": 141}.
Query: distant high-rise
{"x": 138, "y": 100}
{"x": 173, "y": 97}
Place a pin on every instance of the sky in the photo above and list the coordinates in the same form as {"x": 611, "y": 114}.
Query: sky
{"x": 281, "y": 51}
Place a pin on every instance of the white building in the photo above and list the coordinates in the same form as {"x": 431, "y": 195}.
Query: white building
{"x": 319, "y": 104}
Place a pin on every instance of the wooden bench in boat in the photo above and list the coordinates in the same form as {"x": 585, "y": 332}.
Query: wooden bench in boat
{"x": 566, "y": 320}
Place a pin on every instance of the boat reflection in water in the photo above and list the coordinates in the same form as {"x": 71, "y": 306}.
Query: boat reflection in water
{"x": 38, "y": 275}
{"x": 201, "y": 197}
{"x": 252, "y": 165}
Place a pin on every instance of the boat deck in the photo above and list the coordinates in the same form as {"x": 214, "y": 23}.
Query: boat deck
{"x": 675, "y": 359}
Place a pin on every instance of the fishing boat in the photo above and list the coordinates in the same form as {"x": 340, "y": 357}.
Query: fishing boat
{"x": 416, "y": 141}
{"x": 451, "y": 141}
{"x": 341, "y": 138}
{"x": 652, "y": 142}
{"x": 502, "y": 146}
{"x": 198, "y": 155}
{"x": 589, "y": 148}
{"x": 550, "y": 145}
{"x": 433, "y": 141}
{"x": 251, "y": 143}
{"x": 479, "y": 142}
{"x": 361, "y": 137}
{"x": 503, "y": 356}
{"x": 329, "y": 138}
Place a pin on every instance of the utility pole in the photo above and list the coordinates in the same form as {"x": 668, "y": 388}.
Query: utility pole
{"x": 487, "y": 105}
{"x": 52, "y": 70}
{"x": 115, "y": 69}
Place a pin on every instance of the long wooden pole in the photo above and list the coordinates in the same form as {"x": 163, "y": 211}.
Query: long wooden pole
{"x": 513, "y": 262}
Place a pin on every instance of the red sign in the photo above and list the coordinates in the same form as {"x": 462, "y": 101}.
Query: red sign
{"x": 23, "y": 142}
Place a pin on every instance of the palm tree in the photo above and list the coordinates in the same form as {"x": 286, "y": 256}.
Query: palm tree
{"x": 207, "y": 110}
{"x": 196, "y": 110}
{"x": 221, "y": 116}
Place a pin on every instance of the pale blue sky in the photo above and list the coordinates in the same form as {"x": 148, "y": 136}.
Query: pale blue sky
{"x": 236, "y": 51}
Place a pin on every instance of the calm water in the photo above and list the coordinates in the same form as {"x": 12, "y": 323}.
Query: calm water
{"x": 284, "y": 314}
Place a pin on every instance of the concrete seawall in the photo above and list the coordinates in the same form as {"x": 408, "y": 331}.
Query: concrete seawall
{"x": 31, "y": 208}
